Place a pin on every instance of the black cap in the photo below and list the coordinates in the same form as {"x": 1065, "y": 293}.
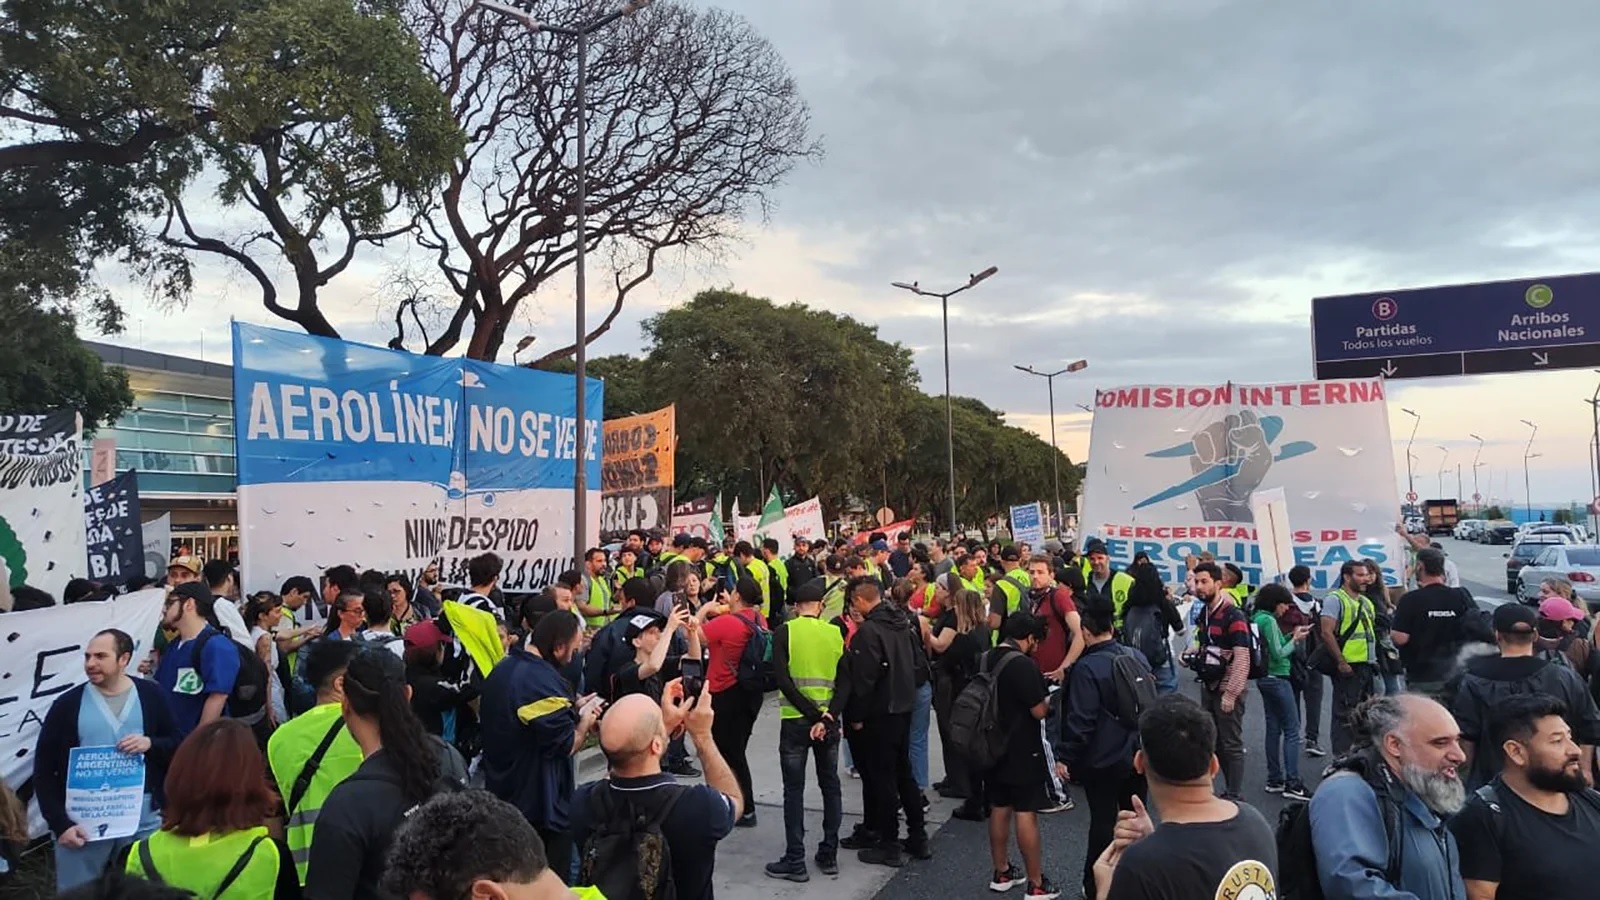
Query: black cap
{"x": 641, "y": 620}
{"x": 193, "y": 590}
{"x": 1011, "y": 553}
{"x": 682, "y": 539}
{"x": 810, "y": 592}
{"x": 1094, "y": 545}
{"x": 1515, "y": 618}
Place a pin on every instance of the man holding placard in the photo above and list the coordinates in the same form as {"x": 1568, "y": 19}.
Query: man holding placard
{"x": 101, "y": 761}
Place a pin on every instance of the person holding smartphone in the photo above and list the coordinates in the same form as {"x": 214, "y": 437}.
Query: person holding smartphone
{"x": 650, "y": 635}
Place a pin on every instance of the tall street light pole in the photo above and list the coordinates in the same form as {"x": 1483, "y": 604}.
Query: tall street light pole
{"x": 1528, "y": 454}
{"x": 1443, "y": 462}
{"x": 1055, "y": 464}
{"x": 581, "y": 32}
{"x": 949, "y": 413}
{"x": 1411, "y": 481}
{"x": 1477, "y": 498}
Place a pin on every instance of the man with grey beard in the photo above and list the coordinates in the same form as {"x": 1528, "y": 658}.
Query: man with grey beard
{"x": 1534, "y": 831}
{"x": 1393, "y": 792}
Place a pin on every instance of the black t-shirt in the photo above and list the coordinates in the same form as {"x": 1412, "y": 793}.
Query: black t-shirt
{"x": 960, "y": 659}
{"x": 1530, "y": 853}
{"x": 1021, "y": 688}
{"x": 1434, "y": 618}
{"x": 1237, "y": 858}
{"x": 702, "y": 817}
{"x": 627, "y": 681}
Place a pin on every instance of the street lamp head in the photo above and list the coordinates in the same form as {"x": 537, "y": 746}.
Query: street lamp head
{"x": 1028, "y": 369}
{"x": 1476, "y": 438}
{"x": 509, "y": 11}
{"x": 1086, "y": 408}
{"x": 526, "y": 340}
{"x": 1529, "y": 424}
{"x": 904, "y": 286}
{"x": 1409, "y": 412}
{"x": 986, "y": 273}
{"x": 1078, "y": 366}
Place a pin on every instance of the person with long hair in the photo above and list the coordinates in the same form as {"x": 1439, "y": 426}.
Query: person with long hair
{"x": 907, "y": 591}
{"x": 213, "y": 839}
{"x": 1388, "y": 655}
{"x": 402, "y": 767}
{"x": 263, "y": 613}
{"x": 957, "y": 639}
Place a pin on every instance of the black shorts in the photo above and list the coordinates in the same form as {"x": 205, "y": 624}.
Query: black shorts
{"x": 1030, "y": 797}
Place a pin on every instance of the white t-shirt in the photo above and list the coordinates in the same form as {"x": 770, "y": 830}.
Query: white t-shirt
{"x": 228, "y": 614}
{"x": 1452, "y": 575}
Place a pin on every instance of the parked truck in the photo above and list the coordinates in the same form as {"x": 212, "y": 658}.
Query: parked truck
{"x": 1441, "y": 516}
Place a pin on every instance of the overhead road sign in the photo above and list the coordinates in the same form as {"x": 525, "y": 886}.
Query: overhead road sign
{"x": 1527, "y": 325}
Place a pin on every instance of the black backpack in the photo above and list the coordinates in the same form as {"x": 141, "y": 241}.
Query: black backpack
{"x": 1134, "y": 685}
{"x": 626, "y": 855}
{"x": 975, "y": 729}
{"x": 1145, "y": 630}
{"x": 753, "y": 671}
{"x": 1297, "y": 860}
{"x": 248, "y": 700}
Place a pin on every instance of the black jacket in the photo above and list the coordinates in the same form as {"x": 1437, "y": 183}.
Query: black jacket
{"x": 1091, "y": 738}
{"x": 1490, "y": 679}
{"x": 358, "y": 822}
{"x": 879, "y": 672}
{"x": 59, "y": 734}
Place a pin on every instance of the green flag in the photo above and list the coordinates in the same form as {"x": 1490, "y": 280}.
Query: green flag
{"x": 717, "y": 531}
{"x": 771, "y": 514}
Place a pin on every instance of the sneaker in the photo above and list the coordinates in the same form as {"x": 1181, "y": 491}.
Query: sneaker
{"x": 859, "y": 839}
{"x": 926, "y": 804}
{"x": 917, "y": 847}
{"x": 1005, "y": 881}
{"x": 748, "y": 820}
{"x": 853, "y": 772}
{"x": 1313, "y": 749}
{"x": 827, "y": 863}
{"x": 970, "y": 812}
{"x": 1062, "y": 805}
{"x": 683, "y": 769}
{"x": 1044, "y": 890}
{"x": 788, "y": 871}
{"x": 1274, "y": 787}
{"x": 1296, "y": 790}
{"x": 883, "y": 855}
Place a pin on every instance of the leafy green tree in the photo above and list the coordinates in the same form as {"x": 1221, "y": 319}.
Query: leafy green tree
{"x": 628, "y": 392}
{"x": 47, "y": 365}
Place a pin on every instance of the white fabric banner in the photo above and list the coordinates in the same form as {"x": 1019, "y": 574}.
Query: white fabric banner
{"x": 744, "y": 527}
{"x": 157, "y": 545}
{"x": 45, "y": 658}
{"x": 41, "y": 513}
{"x": 805, "y": 520}
{"x": 1172, "y": 470}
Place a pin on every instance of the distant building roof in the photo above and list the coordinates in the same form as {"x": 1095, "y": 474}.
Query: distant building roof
{"x": 130, "y": 358}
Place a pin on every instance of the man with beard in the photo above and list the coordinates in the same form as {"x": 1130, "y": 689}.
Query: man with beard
{"x": 1400, "y": 783}
{"x": 1492, "y": 680}
{"x": 1534, "y": 830}
{"x": 1348, "y": 631}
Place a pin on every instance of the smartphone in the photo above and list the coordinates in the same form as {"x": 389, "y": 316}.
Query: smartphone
{"x": 693, "y": 672}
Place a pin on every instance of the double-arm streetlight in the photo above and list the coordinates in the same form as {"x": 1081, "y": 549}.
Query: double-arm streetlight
{"x": 1411, "y": 480}
{"x": 580, "y": 32}
{"x": 949, "y": 414}
{"x": 1055, "y": 465}
{"x": 1444, "y": 461}
{"x": 1528, "y": 454}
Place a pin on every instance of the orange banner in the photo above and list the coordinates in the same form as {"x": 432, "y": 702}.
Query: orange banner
{"x": 638, "y": 451}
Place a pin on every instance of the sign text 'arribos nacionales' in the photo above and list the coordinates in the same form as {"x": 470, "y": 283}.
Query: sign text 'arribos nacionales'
{"x": 1469, "y": 329}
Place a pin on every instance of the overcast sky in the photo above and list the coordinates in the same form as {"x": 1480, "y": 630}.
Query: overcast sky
{"x": 1164, "y": 187}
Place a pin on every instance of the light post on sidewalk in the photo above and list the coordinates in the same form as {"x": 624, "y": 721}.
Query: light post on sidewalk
{"x": 1055, "y": 464}
{"x": 949, "y": 413}
{"x": 1477, "y": 498}
{"x": 1411, "y": 481}
{"x": 1528, "y": 454}
{"x": 581, "y": 32}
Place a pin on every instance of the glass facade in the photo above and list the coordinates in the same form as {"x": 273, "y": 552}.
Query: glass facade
{"x": 179, "y": 443}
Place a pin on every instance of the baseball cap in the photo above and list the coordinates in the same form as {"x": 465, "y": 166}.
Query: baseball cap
{"x": 425, "y": 635}
{"x": 1094, "y": 545}
{"x": 1514, "y": 618}
{"x": 810, "y": 592}
{"x": 1011, "y": 553}
{"x": 1558, "y": 609}
{"x": 192, "y": 563}
{"x": 641, "y": 621}
{"x": 682, "y": 539}
{"x": 880, "y": 545}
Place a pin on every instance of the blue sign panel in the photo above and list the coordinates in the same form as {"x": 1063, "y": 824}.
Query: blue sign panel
{"x": 1469, "y": 329}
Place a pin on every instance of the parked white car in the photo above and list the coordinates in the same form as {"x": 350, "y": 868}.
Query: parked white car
{"x": 1577, "y": 564}
{"x": 1467, "y": 529}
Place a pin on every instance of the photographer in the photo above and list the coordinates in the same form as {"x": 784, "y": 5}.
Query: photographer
{"x": 651, "y": 636}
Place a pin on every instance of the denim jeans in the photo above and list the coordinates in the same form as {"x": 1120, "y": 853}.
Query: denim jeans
{"x": 1167, "y": 677}
{"x": 794, "y": 745}
{"x": 921, "y": 719}
{"x": 1283, "y": 728}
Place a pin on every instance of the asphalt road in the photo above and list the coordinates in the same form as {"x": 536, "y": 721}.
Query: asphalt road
{"x": 960, "y": 866}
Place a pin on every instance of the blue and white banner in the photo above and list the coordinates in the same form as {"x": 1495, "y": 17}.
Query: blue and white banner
{"x": 1174, "y": 470}
{"x": 1027, "y": 524}
{"x": 350, "y": 454}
